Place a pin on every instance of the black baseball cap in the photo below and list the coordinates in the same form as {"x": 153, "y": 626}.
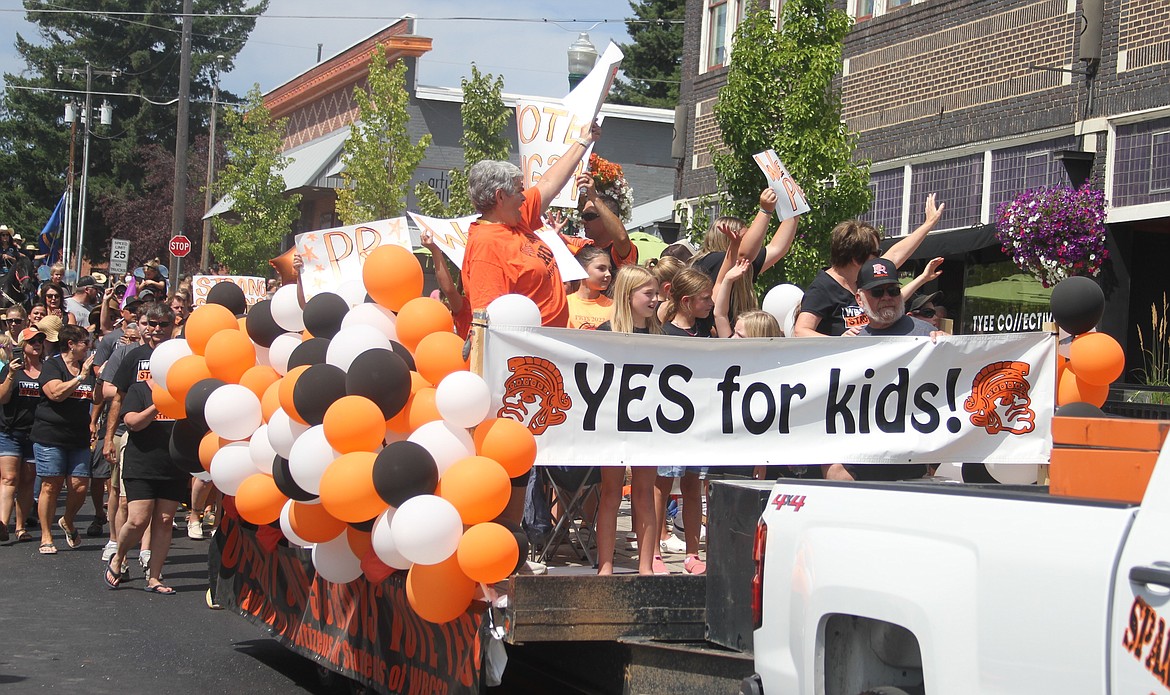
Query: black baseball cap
{"x": 877, "y": 272}
{"x": 921, "y": 300}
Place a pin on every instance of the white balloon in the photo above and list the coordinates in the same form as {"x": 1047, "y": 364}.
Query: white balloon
{"x": 230, "y": 466}
{"x": 262, "y": 357}
{"x": 287, "y": 529}
{"x": 382, "y": 541}
{"x": 282, "y": 349}
{"x": 372, "y": 315}
{"x": 949, "y": 471}
{"x": 335, "y": 561}
{"x": 352, "y": 291}
{"x": 463, "y": 399}
{"x": 261, "y": 450}
{"x": 353, "y": 341}
{"x": 286, "y": 309}
{"x": 426, "y": 529}
{"x": 283, "y": 431}
{"x": 1014, "y": 473}
{"x": 783, "y": 302}
{"x": 202, "y": 475}
{"x": 164, "y": 356}
{"x": 233, "y": 412}
{"x": 445, "y": 443}
{"x": 514, "y": 310}
{"x": 310, "y": 456}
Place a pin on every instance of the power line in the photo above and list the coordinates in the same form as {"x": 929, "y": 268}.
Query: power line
{"x": 209, "y": 15}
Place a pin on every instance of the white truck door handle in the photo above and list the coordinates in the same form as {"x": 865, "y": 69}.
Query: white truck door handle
{"x": 1157, "y": 576}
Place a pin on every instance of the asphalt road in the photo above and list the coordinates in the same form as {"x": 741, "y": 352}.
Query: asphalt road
{"x": 62, "y": 629}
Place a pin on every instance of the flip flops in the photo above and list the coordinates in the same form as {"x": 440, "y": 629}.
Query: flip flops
{"x": 73, "y": 538}
{"x": 113, "y": 579}
{"x": 160, "y": 589}
{"x": 23, "y": 536}
{"x": 48, "y": 549}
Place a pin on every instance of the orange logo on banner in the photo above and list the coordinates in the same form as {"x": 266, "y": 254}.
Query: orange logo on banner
{"x": 999, "y": 400}
{"x": 535, "y": 394}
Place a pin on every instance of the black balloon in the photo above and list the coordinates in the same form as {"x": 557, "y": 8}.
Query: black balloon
{"x": 261, "y": 327}
{"x": 185, "y": 438}
{"x": 364, "y": 526}
{"x": 323, "y": 314}
{"x": 1080, "y": 409}
{"x": 317, "y": 388}
{"x": 383, "y": 377}
{"x": 1077, "y": 304}
{"x": 196, "y": 401}
{"x": 311, "y": 351}
{"x": 400, "y": 350}
{"x": 230, "y": 295}
{"x": 404, "y": 470}
{"x": 282, "y": 476}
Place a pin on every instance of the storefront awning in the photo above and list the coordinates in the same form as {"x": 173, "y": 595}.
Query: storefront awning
{"x": 950, "y": 242}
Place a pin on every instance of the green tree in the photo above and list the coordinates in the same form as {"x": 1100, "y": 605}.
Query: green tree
{"x": 34, "y": 141}
{"x": 379, "y": 156}
{"x": 652, "y": 68}
{"x": 779, "y": 95}
{"x": 261, "y": 213}
{"x": 484, "y": 119}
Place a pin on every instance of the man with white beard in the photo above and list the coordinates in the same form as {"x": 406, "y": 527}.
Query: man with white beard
{"x": 880, "y": 296}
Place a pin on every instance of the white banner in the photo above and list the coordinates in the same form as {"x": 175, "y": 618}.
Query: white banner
{"x": 451, "y": 237}
{"x": 335, "y": 256}
{"x": 255, "y": 289}
{"x": 593, "y": 398}
{"x": 790, "y": 200}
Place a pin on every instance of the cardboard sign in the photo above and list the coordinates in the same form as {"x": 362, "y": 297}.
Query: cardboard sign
{"x": 449, "y": 235}
{"x": 335, "y": 256}
{"x": 566, "y": 263}
{"x": 594, "y": 397}
{"x": 255, "y": 289}
{"x": 790, "y": 197}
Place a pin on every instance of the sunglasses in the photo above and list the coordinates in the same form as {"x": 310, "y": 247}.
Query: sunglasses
{"x": 52, "y": 295}
{"x": 159, "y": 324}
{"x": 886, "y": 291}
{"x": 924, "y": 313}
{"x": 36, "y": 341}
{"x": 589, "y": 216}
{"x": 15, "y": 320}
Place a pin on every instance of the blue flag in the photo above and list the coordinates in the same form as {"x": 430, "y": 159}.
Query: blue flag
{"x": 50, "y": 238}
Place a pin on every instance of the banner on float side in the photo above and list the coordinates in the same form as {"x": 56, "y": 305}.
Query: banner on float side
{"x": 335, "y": 256}
{"x": 451, "y": 237}
{"x": 363, "y": 630}
{"x": 255, "y": 289}
{"x": 594, "y": 397}
{"x": 790, "y": 199}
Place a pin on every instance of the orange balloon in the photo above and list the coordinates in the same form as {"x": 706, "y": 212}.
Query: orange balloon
{"x": 206, "y": 321}
{"x": 476, "y": 486}
{"x": 242, "y": 323}
{"x": 422, "y": 408}
{"x": 439, "y": 593}
{"x": 283, "y": 264}
{"x": 185, "y": 373}
{"x": 1096, "y": 358}
{"x": 347, "y": 488}
{"x": 439, "y": 354}
{"x": 166, "y": 403}
{"x": 257, "y": 380}
{"x": 314, "y": 523}
{"x": 1073, "y": 389}
{"x": 286, "y": 393}
{"x": 210, "y": 444}
{"x": 488, "y": 553}
{"x": 230, "y": 354}
{"x": 270, "y": 401}
{"x": 359, "y": 541}
{"x": 401, "y": 421}
{"x": 419, "y": 318}
{"x": 354, "y": 423}
{"x": 306, "y": 335}
{"x": 508, "y": 443}
{"x": 393, "y": 276}
{"x": 258, "y": 499}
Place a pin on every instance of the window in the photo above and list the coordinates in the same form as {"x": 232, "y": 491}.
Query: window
{"x": 1141, "y": 166}
{"x": 886, "y": 212}
{"x": 956, "y": 182}
{"x": 716, "y": 34}
{"x": 1016, "y": 169}
{"x": 1160, "y": 163}
{"x": 865, "y": 9}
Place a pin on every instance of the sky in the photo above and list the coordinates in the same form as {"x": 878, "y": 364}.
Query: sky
{"x": 530, "y": 56}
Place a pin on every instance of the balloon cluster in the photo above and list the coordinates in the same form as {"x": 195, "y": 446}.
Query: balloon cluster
{"x": 347, "y": 422}
{"x": 1094, "y": 359}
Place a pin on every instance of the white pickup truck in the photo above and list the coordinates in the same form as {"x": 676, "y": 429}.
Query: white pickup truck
{"x": 942, "y": 589}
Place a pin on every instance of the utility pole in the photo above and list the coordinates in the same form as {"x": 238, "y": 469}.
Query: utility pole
{"x": 72, "y": 255}
{"x": 179, "y": 206}
{"x": 205, "y": 256}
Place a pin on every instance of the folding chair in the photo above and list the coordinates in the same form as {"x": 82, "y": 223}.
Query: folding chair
{"x": 570, "y": 488}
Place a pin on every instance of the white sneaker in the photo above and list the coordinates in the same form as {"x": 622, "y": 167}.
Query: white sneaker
{"x": 674, "y": 544}
{"x": 194, "y": 528}
{"x": 144, "y": 563}
{"x": 109, "y": 551}
{"x": 533, "y": 567}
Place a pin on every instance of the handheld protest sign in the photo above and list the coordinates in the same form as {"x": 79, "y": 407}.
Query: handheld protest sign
{"x": 791, "y": 200}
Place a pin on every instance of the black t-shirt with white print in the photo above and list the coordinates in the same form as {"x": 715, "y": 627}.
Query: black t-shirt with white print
{"x": 64, "y": 423}
{"x": 18, "y": 413}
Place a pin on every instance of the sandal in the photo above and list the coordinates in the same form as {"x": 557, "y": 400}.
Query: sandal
{"x": 23, "y": 536}
{"x": 161, "y": 589}
{"x": 48, "y": 549}
{"x": 693, "y": 565}
{"x": 73, "y": 538}
{"x": 113, "y": 579}
{"x": 659, "y": 566}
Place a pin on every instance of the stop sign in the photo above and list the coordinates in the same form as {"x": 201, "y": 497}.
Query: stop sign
{"x": 180, "y": 246}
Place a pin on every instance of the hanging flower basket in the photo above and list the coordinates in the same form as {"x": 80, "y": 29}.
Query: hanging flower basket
{"x": 1054, "y": 233}
{"x": 610, "y": 180}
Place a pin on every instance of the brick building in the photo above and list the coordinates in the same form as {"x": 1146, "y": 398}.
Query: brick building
{"x": 974, "y": 101}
